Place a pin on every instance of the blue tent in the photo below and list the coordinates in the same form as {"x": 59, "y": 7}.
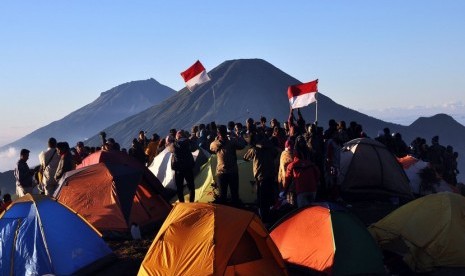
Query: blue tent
{"x": 39, "y": 235}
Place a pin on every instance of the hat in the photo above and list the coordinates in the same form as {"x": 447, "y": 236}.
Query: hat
{"x": 24, "y": 151}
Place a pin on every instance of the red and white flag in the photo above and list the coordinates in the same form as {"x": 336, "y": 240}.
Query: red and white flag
{"x": 302, "y": 94}
{"x": 195, "y": 76}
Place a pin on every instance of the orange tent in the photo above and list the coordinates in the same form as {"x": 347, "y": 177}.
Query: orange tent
{"x": 209, "y": 239}
{"x": 327, "y": 239}
{"x": 118, "y": 157}
{"x": 112, "y": 197}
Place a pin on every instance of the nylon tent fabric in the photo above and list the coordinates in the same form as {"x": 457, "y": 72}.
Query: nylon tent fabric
{"x": 412, "y": 167}
{"x": 161, "y": 166}
{"x": 117, "y": 157}
{"x": 368, "y": 170}
{"x": 112, "y": 197}
{"x": 205, "y": 182}
{"x": 428, "y": 232}
{"x": 216, "y": 240}
{"x": 327, "y": 239}
{"x": 41, "y": 236}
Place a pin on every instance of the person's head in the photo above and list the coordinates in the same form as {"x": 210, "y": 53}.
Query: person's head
{"x": 6, "y": 198}
{"x": 62, "y": 147}
{"x": 263, "y": 120}
{"x": 155, "y": 137}
{"x": 52, "y": 142}
{"x": 231, "y": 125}
{"x": 341, "y": 125}
{"x": 332, "y": 123}
{"x": 274, "y": 123}
{"x": 238, "y": 128}
{"x": 194, "y": 129}
{"x": 169, "y": 140}
{"x": 222, "y": 131}
{"x": 24, "y": 154}
{"x": 435, "y": 140}
{"x": 289, "y": 145}
{"x": 80, "y": 146}
{"x": 172, "y": 132}
{"x": 179, "y": 134}
{"x": 201, "y": 127}
{"x": 141, "y": 134}
{"x": 387, "y": 131}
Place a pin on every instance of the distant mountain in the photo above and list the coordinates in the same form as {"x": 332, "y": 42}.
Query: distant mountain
{"x": 450, "y": 131}
{"x": 239, "y": 89}
{"x": 110, "y": 107}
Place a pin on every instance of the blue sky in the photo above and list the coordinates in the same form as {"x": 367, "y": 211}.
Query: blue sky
{"x": 57, "y": 56}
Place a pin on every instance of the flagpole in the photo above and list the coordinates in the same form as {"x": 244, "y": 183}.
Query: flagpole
{"x": 316, "y": 109}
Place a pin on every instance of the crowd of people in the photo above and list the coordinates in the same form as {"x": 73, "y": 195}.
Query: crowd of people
{"x": 293, "y": 160}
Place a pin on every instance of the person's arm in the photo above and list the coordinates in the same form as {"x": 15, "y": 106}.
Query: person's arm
{"x": 249, "y": 155}
{"x": 288, "y": 178}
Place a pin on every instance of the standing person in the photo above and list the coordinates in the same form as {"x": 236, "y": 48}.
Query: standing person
{"x": 287, "y": 156}
{"x": 66, "y": 163}
{"x": 305, "y": 176}
{"x": 143, "y": 141}
{"x": 49, "y": 160}
{"x": 227, "y": 172}
{"x": 81, "y": 151}
{"x": 152, "y": 148}
{"x": 137, "y": 151}
{"x": 182, "y": 163}
{"x": 23, "y": 174}
{"x": 263, "y": 154}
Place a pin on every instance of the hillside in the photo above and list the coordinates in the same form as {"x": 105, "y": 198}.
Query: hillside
{"x": 111, "y": 106}
{"x": 239, "y": 89}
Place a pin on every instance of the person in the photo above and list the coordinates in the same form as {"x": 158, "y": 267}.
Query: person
{"x": 6, "y": 202}
{"x": 182, "y": 163}
{"x": 23, "y": 174}
{"x": 263, "y": 154}
{"x": 152, "y": 148}
{"x": 137, "y": 151}
{"x": 287, "y": 156}
{"x": 227, "y": 171}
{"x": 143, "y": 141}
{"x": 304, "y": 175}
{"x": 81, "y": 152}
{"x": 49, "y": 160}
{"x": 66, "y": 162}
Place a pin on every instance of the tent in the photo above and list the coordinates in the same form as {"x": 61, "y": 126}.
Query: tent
{"x": 368, "y": 170}
{"x": 209, "y": 239}
{"x": 161, "y": 166}
{"x": 117, "y": 157}
{"x": 205, "y": 182}
{"x": 113, "y": 196}
{"x": 41, "y": 236}
{"x": 412, "y": 167}
{"x": 327, "y": 239}
{"x": 428, "y": 232}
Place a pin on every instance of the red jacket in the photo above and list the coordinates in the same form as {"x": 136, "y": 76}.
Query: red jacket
{"x": 304, "y": 174}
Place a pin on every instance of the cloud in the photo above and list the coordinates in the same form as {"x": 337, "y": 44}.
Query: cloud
{"x": 9, "y": 157}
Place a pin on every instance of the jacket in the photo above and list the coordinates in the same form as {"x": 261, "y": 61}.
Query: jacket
{"x": 304, "y": 174}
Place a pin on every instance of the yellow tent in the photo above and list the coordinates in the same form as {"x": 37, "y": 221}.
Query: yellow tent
{"x": 206, "y": 178}
{"x": 210, "y": 239}
{"x": 429, "y": 232}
